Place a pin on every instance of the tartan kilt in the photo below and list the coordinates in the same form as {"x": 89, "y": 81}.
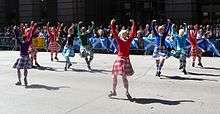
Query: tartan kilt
{"x": 122, "y": 66}
{"x": 179, "y": 53}
{"x": 54, "y": 47}
{"x": 68, "y": 51}
{"x": 160, "y": 53}
{"x": 23, "y": 62}
{"x": 196, "y": 52}
{"x": 86, "y": 51}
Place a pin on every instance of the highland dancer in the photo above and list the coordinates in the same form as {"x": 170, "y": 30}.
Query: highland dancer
{"x": 85, "y": 48}
{"x": 68, "y": 50}
{"x": 180, "y": 48}
{"x": 195, "y": 50}
{"x": 122, "y": 65}
{"x": 33, "y": 51}
{"x": 160, "y": 51}
{"x": 24, "y": 61}
{"x": 54, "y": 47}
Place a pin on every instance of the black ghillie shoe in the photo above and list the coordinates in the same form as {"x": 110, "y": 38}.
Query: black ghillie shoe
{"x": 184, "y": 71}
{"x": 181, "y": 67}
{"x": 200, "y": 64}
{"x": 37, "y": 64}
{"x": 25, "y": 82}
{"x": 69, "y": 65}
{"x": 129, "y": 97}
{"x": 159, "y": 73}
{"x": 56, "y": 58}
{"x": 193, "y": 64}
{"x": 18, "y": 83}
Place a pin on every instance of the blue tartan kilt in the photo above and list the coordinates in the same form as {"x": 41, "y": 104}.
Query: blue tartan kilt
{"x": 158, "y": 53}
{"x": 179, "y": 53}
{"x": 23, "y": 62}
{"x": 68, "y": 51}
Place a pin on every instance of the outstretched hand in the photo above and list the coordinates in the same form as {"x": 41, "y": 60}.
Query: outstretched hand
{"x": 113, "y": 21}
{"x": 80, "y": 22}
{"x": 48, "y": 23}
{"x": 92, "y": 22}
{"x": 131, "y": 20}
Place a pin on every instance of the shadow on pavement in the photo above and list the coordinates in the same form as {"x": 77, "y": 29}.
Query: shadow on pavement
{"x": 91, "y": 71}
{"x": 65, "y": 62}
{"x": 151, "y": 100}
{"x": 186, "y": 78}
{"x": 165, "y": 102}
{"x": 212, "y": 68}
{"x": 44, "y": 68}
{"x": 202, "y": 74}
{"x": 39, "y": 86}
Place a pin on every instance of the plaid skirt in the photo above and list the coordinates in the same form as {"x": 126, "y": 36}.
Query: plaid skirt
{"x": 196, "y": 52}
{"x": 160, "y": 53}
{"x": 68, "y": 52}
{"x": 179, "y": 53}
{"x": 54, "y": 47}
{"x": 23, "y": 62}
{"x": 122, "y": 66}
{"x": 86, "y": 51}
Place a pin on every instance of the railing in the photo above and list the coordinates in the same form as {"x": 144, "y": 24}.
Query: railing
{"x": 109, "y": 45}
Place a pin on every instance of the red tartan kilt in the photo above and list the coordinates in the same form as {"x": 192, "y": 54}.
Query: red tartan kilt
{"x": 196, "y": 52}
{"x": 122, "y": 66}
{"x": 54, "y": 47}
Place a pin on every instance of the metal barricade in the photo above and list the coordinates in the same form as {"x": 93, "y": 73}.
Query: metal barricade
{"x": 218, "y": 43}
{"x": 8, "y": 43}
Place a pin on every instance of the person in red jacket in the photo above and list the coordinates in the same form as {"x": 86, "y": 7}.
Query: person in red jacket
{"x": 195, "y": 50}
{"x": 54, "y": 47}
{"x": 122, "y": 65}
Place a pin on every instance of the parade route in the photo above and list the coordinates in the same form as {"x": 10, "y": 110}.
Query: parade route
{"x": 52, "y": 90}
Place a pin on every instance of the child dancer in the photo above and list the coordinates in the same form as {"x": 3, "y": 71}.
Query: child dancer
{"x": 68, "y": 50}
{"x": 180, "y": 40}
{"x": 24, "y": 62}
{"x": 54, "y": 47}
{"x": 33, "y": 51}
{"x": 160, "y": 51}
{"x": 85, "y": 48}
{"x": 122, "y": 65}
{"x": 195, "y": 50}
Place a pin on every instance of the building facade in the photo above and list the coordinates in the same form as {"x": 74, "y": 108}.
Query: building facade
{"x": 101, "y": 11}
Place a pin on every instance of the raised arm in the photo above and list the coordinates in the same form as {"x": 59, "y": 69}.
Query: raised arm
{"x": 173, "y": 31}
{"x": 91, "y": 28}
{"x": 113, "y": 29}
{"x": 168, "y": 27}
{"x": 78, "y": 29}
{"x": 48, "y": 30}
{"x": 133, "y": 30}
{"x": 153, "y": 24}
{"x": 185, "y": 29}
